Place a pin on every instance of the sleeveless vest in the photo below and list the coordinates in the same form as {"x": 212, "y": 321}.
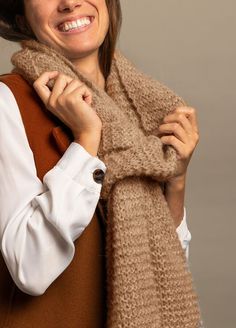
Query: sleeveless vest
{"x": 77, "y": 298}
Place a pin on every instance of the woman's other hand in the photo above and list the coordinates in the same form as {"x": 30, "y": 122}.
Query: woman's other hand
{"x": 180, "y": 130}
{"x": 70, "y": 100}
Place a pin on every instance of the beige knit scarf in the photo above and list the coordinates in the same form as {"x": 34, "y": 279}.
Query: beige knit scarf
{"x": 149, "y": 284}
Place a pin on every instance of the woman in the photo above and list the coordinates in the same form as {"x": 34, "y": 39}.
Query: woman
{"x": 53, "y": 225}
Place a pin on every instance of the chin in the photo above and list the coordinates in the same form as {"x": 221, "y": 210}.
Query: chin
{"x": 79, "y": 53}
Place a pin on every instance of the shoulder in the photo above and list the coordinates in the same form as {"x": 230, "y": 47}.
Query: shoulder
{"x": 6, "y": 95}
{"x": 16, "y": 92}
{"x": 13, "y": 87}
{"x": 9, "y": 110}
{"x": 14, "y": 81}
{"x": 12, "y": 77}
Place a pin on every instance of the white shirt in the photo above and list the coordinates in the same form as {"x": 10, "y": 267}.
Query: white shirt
{"x": 39, "y": 221}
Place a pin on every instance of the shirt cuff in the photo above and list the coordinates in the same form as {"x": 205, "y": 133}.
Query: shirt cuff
{"x": 80, "y": 165}
{"x": 183, "y": 232}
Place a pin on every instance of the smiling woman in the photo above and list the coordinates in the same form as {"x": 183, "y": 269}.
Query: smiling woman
{"x": 96, "y": 153}
{"x": 46, "y": 22}
{"x": 14, "y": 16}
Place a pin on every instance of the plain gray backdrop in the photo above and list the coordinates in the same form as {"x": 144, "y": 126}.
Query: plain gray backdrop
{"x": 190, "y": 46}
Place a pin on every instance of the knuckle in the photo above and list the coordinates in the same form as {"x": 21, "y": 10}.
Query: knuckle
{"x": 61, "y": 76}
{"x": 79, "y": 84}
{"x": 180, "y": 116}
{"x": 192, "y": 145}
{"x": 61, "y": 100}
{"x": 192, "y": 110}
{"x": 82, "y": 86}
{"x": 176, "y": 126}
{"x": 163, "y": 138}
{"x": 164, "y": 120}
{"x": 64, "y": 77}
{"x": 196, "y": 134}
{"x": 75, "y": 81}
{"x": 44, "y": 74}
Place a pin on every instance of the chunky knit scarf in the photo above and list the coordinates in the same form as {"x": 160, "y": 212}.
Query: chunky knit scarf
{"x": 149, "y": 284}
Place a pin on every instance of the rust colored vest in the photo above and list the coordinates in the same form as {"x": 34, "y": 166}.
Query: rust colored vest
{"x": 77, "y": 298}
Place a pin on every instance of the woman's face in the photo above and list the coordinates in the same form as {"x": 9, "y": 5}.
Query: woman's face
{"x": 76, "y": 27}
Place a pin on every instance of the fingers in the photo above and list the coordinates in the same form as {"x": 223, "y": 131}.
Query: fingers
{"x": 61, "y": 83}
{"x": 79, "y": 88}
{"x": 40, "y": 85}
{"x": 177, "y": 144}
{"x": 179, "y": 118}
{"x": 176, "y": 129}
{"x": 72, "y": 85}
{"x": 64, "y": 86}
{"x": 191, "y": 115}
{"x": 186, "y": 116}
{"x": 181, "y": 127}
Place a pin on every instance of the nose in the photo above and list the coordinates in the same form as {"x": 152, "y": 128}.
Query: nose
{"x": 69, "y": 5}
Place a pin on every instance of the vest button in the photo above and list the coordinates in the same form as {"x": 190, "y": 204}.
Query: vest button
{"x": 98, "y": 175}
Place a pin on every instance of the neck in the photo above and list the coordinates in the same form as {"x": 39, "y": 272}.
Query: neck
{"x": 90, "y": 68}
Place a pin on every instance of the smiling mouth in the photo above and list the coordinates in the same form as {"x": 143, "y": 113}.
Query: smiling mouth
{"x": 76, "y": 24}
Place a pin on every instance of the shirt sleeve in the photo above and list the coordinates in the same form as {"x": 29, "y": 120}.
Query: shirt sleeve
{"x": 184, "y": 234}
{"x": 39, "y": 221}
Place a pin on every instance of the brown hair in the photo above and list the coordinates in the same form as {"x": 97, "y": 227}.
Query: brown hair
{"x": 10, "y": 30}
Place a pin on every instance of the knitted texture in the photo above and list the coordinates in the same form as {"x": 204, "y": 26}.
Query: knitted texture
{"x": 149, "y": 284}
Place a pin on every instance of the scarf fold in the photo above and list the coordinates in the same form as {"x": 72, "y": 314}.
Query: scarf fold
{"x": 148, "y": 280}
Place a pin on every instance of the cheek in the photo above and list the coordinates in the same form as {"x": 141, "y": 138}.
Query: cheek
{"x": 36, "y": 16}
{"x": 105, "y": 16}
{"x": 101, "y": 7}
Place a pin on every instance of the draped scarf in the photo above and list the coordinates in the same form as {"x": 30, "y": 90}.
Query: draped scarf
{"x": 149, "y": 283}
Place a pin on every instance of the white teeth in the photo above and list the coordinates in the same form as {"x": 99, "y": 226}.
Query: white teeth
{"x": 79, "y": 22}
{"x": 75, "y": 24}
{"x": 64, "y": 28}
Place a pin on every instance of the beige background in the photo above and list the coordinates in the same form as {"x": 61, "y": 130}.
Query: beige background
{"x": 190, "y": 46}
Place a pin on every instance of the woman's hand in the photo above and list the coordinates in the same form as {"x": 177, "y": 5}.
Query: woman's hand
{"x": 70, "y": 100}
{"x": 180, "y": 129}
